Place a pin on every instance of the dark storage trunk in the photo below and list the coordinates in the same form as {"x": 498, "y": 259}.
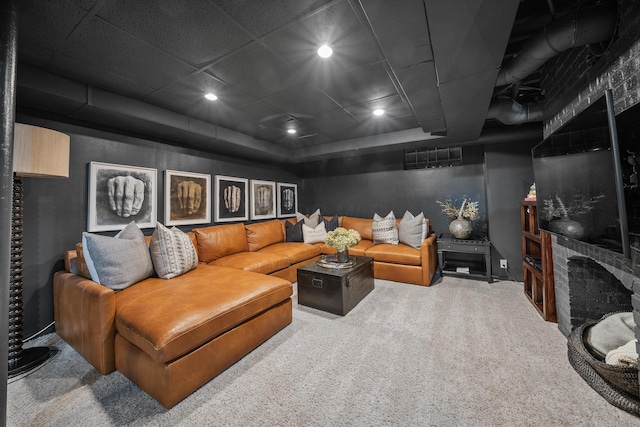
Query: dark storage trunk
{"x": 336, "y": 290}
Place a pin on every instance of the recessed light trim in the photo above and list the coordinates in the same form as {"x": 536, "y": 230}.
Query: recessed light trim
{"x": 325, "y": 51}
{"x": 378, "y": 112}
{"x": 291, "y": 131}
{"x": 211, "y": 97}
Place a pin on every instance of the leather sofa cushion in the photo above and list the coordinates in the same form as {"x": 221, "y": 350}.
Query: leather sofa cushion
{"x": 258, "y": 262}
{"x": 361, "y": 225}
{"x": 219, "y": 241}
{"x": 395, "y": 254}
{"x": 263, "y": 234}
{"x": 169, "y": 318}
{"x": 296, "y": 251}
{"x": 360, "y": 248}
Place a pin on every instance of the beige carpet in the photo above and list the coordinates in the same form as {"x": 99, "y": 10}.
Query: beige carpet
{"x": 460, "y": 353}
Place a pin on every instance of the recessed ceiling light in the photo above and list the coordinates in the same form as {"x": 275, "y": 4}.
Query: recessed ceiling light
{"x": 211, "y": 97}
{"x": 325, "y": 51}
{"x": 291, "y": 131}
{"x": 378, "y": 112}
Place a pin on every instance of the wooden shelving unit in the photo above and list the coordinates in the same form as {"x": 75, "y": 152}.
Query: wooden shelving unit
{"x": 537, "y": 263}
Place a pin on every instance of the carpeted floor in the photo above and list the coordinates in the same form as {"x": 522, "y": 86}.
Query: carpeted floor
{"x": 459, "y": 353}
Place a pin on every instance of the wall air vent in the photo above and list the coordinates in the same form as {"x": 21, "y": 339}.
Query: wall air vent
{"x": 432, "y": 158}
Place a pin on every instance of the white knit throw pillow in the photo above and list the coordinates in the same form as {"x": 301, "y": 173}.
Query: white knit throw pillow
{"x": 385, "y": 229}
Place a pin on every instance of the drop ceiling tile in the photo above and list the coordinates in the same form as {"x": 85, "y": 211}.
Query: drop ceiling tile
{"x": 256, "y": 71}
{"x": 191, "y": 89}
{"x": 359, "y": 85}
{"x": 337, "y": 26}
{"x": 261, "y": 17}
{"x": 401, "y": 28}
{"x": 302, "y": 103}
{"x": 85, "y": 4}
{"x": 420, "y": 84}
{"x": 101, "y": 46}
{"x": 47, "y": 23}
{"x": 279, "y": 135}
{"x": 194, "y": 30}
{"x": 335, "y": 123}
{"x": 393, "y": 105}
{"x": 262, "y": 114}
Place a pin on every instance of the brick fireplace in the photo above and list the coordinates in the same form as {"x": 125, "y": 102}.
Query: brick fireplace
{"x": 589, "y": 283}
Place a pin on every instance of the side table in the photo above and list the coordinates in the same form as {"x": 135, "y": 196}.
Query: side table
{"x": 478, "y": 265}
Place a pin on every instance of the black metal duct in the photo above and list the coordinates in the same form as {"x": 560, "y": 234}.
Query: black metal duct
{"x": 590, "y": 25}
{"x": 509, "y": 112}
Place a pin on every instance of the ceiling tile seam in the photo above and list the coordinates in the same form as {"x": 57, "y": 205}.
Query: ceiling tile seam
{"x": 256, "y": 38}
{"x": 365, "y": 22}
{"x": 89, "y": 15}
{"x": 435, "y": 66}
{"x": 314, "y": 84}
{"x": 303, "y": 17}
{"x": 204, "y": 67}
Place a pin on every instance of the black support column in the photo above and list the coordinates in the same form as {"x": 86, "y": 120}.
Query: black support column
{"x": 8, "y": 49}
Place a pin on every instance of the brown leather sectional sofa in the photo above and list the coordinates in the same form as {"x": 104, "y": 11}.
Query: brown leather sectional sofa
{"x": 172, "y": 336}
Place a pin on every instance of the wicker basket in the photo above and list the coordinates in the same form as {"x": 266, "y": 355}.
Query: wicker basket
{"x": 618, "y": 385}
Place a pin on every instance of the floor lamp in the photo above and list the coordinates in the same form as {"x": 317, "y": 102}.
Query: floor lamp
{"x": 37, "y": 153}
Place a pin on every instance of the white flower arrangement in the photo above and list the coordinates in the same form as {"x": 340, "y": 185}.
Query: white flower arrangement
{"x": 341, "y": 238}
{"x": 468, "y": 209}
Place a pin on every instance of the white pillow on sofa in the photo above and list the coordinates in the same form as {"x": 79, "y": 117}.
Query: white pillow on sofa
{"x": 172, "y": 252}
{"x": 120, "y": 261}
{"x": 312, "y": 221}
{"x": 413, "y": 230}
{"x": 385, "y": 230}
{"x": 314, "y": 235}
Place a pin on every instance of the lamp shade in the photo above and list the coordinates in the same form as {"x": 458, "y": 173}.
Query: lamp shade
{"x": 40, "y": 152}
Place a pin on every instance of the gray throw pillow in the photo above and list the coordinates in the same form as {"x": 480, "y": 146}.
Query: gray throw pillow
{"x": 413, "y": 230}
{"x": 120, "y": 261}
{"x": 385, "y": 230}
{"x": 172, "y": 252}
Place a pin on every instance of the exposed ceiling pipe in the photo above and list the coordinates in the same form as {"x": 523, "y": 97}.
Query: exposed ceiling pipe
{"x": 590, "y": 25}
{"x": 509, "y": 112}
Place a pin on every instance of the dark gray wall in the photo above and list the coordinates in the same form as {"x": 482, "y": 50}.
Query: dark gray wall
{"x": 497, "y": 175}
{"x": 56, "y": 209}
{"x": 509, "y": 174}
{"x": 363, "y": 194}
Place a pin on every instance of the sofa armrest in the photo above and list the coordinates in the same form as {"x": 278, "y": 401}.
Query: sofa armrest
{"x": 84, "y": 312}
{"x": 429, "y": 258}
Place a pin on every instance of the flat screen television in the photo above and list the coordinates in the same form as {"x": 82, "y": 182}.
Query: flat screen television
{"x": 586, "y": 179}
